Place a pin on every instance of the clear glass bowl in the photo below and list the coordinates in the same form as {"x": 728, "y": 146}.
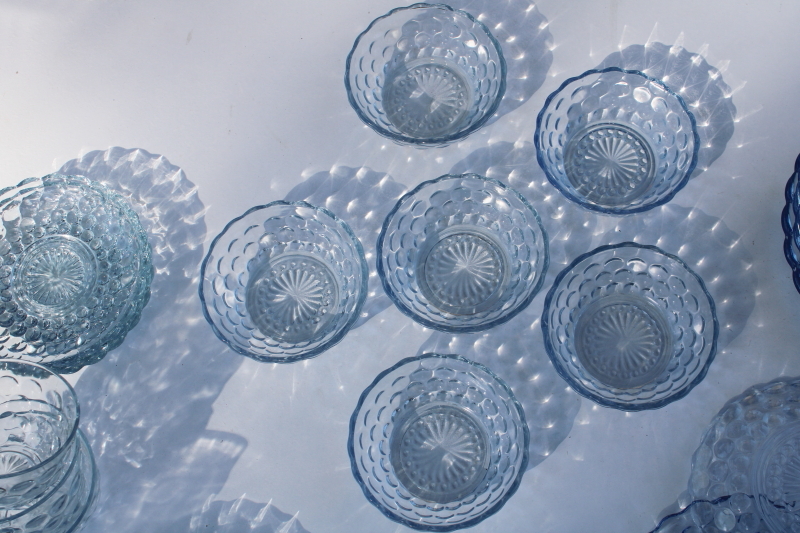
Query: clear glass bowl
{"x": 789, "y": 223}
{"x": 67, "y": 506}
{"x": 425, "y": 74}
{"x": 283, "y": 282}
{"x": 76, "y": 271}
{"x": 752, "y": 447}
{"x": 630, "y": 327}
{"x": 438, "y": 442}
{"x": 616, "y": 141}
{"x": 462, "y": 253}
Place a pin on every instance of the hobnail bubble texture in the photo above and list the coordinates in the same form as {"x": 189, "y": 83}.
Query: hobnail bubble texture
{"x": 752, "y": 446}
{"x": 730, "y": 514}
{"x": 455, "y": 381}
{"x": 68, "y": 506}
{"x": 789, "y": 223}
{"x": 643, "y": 272}
{"x": 75, "y": 271}
{"x": 38, "y": 422}
{"x": 618, "y": 97}
{"x": 465, "y": 200}
{"x": 424, "y": 32}
{"x": 268, "y": 232}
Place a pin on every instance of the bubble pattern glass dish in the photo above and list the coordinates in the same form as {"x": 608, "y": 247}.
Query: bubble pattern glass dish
{"x": 729, "y": 514}
{"x": 438, "y": 442}
{"x": 752, "y": 446}
{"x": 630, "y": 327}
{"x": 789, "y": 223}
{"x": 39, "y": 418}
{"x": 425, "y": 74}
{"x": 71, "y": 501}
{"x": 283, "y": 282}
{"x": 75, "y": 273}
{"x": 462, "y": 253}
{"x": 616, "y": 141}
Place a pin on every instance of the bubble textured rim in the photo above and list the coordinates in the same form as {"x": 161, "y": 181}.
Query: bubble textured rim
{"x": 450, "y": 527}
{"x": 449, "y": 328}
{"x": 789, "y": 224}
{"x": 615, "y": 210}
{"x": 362, "y": 296}
{"x": 585, "y": 392}
{"x": 433, "y": 141}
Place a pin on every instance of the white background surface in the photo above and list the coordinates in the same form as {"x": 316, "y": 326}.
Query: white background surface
{"x": 248, "y": 99}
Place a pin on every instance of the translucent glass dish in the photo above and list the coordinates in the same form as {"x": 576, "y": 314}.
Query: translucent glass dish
{"x": 616, "y": 141}
{"x": 630, "y": 327}
{"x": 789, "y": 223}
{"x": 47, "y": 473}
{"x": 76, "y": 271}
{"x": 752, "y": 447}
{"x": 283, "y": 282}
{"x": 729, "y": 514}
{"x": 438, "y": 442}
{"x": 425, "y": 75}
{"x": 462, "y": 253}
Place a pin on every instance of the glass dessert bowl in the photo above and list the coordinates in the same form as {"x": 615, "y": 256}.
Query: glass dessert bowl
{"x": 630, "y": 326}
{"x": 425, "y": 74}
{"x": 616, "y": 141}
{"x": 438, "y": 442}
{"x": 283, "y": 282}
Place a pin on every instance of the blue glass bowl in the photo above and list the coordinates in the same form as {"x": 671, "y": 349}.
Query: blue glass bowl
{"x": 630, "y": 327}
{"x": 789, "y": 223}
{"x": 425, "y": 74}
{"x": 616, "y": 141}
{"x": 752, "y": 446}
{"x": 462, "y": 253}
{"x": 283, "y": 282}
{"x": 76, "y": 271}
{"x": 438, "y": 442}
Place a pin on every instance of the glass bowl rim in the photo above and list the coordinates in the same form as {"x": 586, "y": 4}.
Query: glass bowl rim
{"x": 427, "y": 141}
{"x": 786, "y": 225}
{"x": 586, "y": 392}
{"x": 448, "y": 527}
{"x": 616, "y": 210}
{"x": 335, "y": 339}
{"x": 74, "y": 431}
{"x": 446, "y": 327}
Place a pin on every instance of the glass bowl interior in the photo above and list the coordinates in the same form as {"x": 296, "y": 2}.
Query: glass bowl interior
{"x": 77, "y": 271}
{"x": 283, "y": 282}
{"x": 425, "y": 74}
{"x": 462, "y": 253}
{"x": 616, "y": 141}
{"x": 630, "y": 327}
{"x": 438, "y": 442}
{"x": 38, "y": 424}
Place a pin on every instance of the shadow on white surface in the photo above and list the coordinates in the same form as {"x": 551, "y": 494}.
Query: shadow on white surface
{"x": 146, "y": 406}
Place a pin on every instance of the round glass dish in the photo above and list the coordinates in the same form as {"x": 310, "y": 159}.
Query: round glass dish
{"x": 729, "y": 514}
{"x": 462, "y": 253}
{"x": 438, "y": 442}
{"x": 283, "y": 282}
{"x": 752, "y": 447}
{"x": 616, "y": 141}
{"x": 425, "y": 74}
{"x": 630, "y": 327}
{"x": 76, "y": 271}
{"x": 69, "y": 503}
{"x": 38, "y": 423}
{"x": 789, "y": 223}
